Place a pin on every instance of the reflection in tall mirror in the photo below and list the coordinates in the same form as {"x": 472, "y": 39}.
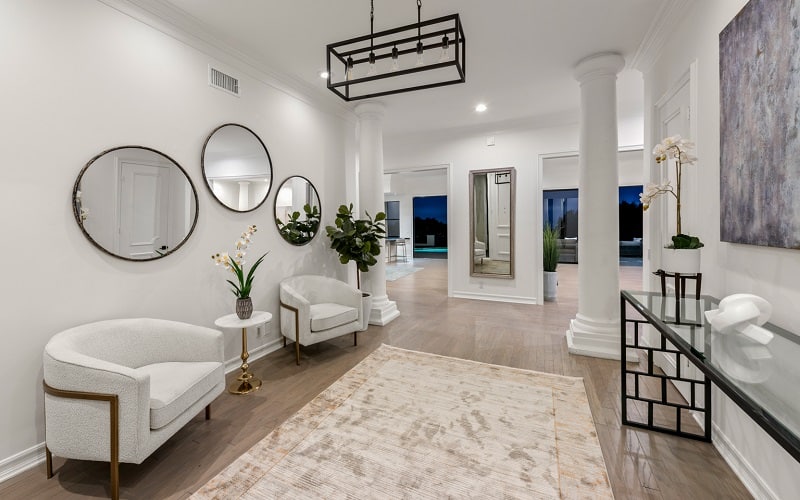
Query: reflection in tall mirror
{"x": 237, "y": 167}
{"x": 135, "y": 203}
{"x": 491, "y": 206}
{"x": 297, "y": 210}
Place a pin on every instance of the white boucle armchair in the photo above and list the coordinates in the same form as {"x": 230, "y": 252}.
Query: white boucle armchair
{"x": 117, "y": 390}
{"x": 317, "y": 308}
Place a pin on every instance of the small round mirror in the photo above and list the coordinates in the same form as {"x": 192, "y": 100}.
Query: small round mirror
{"x": 135, "y": 203}
{"x": 237, "y": 167}
{"x": 297, "y": 210}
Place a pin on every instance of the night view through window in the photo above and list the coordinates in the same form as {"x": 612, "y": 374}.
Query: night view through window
{"x": 561, "y": 210}
{"x": 430, "y": 227}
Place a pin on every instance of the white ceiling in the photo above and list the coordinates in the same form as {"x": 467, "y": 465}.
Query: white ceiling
{"x": 520, "y": 53}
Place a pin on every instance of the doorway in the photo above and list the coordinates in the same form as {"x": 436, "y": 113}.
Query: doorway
{"x": 430, "y": 227}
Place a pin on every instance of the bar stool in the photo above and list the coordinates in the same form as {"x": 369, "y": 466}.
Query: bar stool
{"x": 401, "y": 243}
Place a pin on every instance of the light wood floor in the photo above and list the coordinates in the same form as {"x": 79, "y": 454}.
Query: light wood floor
{"x": 641, "y": 464}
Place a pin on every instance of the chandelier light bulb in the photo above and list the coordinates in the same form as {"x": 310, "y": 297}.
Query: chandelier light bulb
{"x": 445, "y": 49}
{"x": 395, "y": 60}
{"x": 420, "y": 56}
{"x": 372, "y": 68}
{"x": 349, "y": 73}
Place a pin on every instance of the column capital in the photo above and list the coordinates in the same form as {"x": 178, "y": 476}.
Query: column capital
{"x": 603, "y": 64}
{"x": 370, "y": 109}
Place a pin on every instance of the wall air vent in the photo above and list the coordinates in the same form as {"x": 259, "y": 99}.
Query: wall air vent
{"x": 223, "y": 81}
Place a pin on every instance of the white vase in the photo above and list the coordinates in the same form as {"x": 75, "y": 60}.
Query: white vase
{"x": 366, "y": 309}
{"x": 683, "y": 260}
{"x": 550, "y": 285}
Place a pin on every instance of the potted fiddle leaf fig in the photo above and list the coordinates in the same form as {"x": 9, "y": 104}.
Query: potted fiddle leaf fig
{"x": 683, "y": 254}
{"x": 358, "y": 240}
{"x": 297, "y": 231}
{"x": 550, "y": 254}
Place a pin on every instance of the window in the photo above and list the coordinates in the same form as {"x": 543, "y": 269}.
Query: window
{"x": 392, "y": 209}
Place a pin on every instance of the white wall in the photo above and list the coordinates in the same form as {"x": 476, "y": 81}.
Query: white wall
{"x": 403, "y": 187}
{"x": 727, "y": 268}
{"x": 87, "y": 78}
{"x": 563, "y": 172}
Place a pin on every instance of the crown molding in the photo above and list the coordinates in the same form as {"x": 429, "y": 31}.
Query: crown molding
{"x": 185, "y": 28}
{"x": 670, "y": 12}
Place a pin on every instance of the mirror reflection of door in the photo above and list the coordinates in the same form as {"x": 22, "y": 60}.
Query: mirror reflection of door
{"x": 492, "y": 222}
{"x": 144, "y": 202}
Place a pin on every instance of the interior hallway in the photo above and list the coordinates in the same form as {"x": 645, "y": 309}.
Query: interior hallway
{"x": 641, "y": 464}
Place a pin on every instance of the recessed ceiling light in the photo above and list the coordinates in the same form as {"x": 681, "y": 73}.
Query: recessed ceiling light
{"x": 324, "y": 74}
{"x": 480, "y": 108}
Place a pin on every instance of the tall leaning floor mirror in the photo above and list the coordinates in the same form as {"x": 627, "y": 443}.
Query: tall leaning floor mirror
{"x": 491, "y": 225}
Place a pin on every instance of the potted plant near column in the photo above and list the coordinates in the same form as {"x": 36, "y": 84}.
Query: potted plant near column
{"x": 358, "y": 240}
{"x": 550, "y": 254}
{"x": 683, "y": 254}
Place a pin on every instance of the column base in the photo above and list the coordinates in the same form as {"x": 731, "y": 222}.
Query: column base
{"x": 383, "y": 311}
{"x": 600, "y": 339}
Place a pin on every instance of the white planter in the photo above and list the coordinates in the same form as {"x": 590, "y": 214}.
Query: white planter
{"x": 683, "y": 261}
{"x": 550, "y": 285}
{"x": 366, "y": 309}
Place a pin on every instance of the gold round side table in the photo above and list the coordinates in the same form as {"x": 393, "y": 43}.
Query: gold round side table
{"x": 245, "y": 382}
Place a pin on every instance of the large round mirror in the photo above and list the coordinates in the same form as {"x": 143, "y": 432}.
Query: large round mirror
{"x": 135, "y": 203}
{"x": 237, "y": 167}
{"x": 297, "y": 210}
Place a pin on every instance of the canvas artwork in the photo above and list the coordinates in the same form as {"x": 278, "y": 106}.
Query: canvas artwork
{"x": 760, "y": 110}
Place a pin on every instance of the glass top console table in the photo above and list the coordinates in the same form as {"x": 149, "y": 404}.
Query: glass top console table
{"x": 671, "y": 356}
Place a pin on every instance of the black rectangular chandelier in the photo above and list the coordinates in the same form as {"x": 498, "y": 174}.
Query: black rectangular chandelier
{"x": 398, "y": 60}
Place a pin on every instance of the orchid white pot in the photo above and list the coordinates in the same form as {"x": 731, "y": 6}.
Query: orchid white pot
{"x": 683, "y": 261}
{"x": 550, "y": 285}
{"x": 366, "y": 310}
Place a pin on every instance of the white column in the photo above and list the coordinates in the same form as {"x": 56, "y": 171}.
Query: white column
{"x": 595, "y": 331}
{"x": 370, "y": 182}
{"x": 244, "y": 195}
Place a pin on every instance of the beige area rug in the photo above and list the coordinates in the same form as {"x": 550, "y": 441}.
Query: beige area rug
{"x": 404, "y": 424}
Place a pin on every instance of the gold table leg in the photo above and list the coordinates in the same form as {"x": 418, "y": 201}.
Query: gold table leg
{"x": 246, "y": 382}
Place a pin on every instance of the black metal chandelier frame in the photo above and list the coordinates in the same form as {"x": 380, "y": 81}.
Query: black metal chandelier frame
{"x": 393, "y": 43}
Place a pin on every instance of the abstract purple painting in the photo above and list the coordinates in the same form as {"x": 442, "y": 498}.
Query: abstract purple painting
{"x": 759, "y": 118}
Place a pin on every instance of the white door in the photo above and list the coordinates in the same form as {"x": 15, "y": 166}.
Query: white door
{"x": 143, "y": 213}
{"x": 499, "y": 219}
{"x": 673, "y": 113}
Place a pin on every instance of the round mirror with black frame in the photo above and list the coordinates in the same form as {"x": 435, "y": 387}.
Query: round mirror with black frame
{"x": 237, "y": 167}
{"x": 135, "y": 203}
{"x": 297, "y": 210}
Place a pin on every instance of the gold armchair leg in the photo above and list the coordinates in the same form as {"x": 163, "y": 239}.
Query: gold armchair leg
{"x": 113, "y": 428}
{"x": 115, "y": 479}
{"x": 297, "y": 344}
{"x": 48, "y": 461}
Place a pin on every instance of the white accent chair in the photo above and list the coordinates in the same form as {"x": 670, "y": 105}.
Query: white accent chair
{"x": 317, "y": 308}
{"x": 116, "y": 390}
{"x": 479, "y": 251}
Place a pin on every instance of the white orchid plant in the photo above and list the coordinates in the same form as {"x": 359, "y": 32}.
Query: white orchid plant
{"x": 236, "y": 264}
{"x": 677, "y": 149}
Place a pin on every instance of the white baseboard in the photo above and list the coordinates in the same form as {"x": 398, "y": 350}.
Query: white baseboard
{"x": 741, "y": 467}
{"x": 22, "y": 461}
{"x": 33, "y": 456}
{"x": 259, "y": 352}
{"x": 495, "y": 298}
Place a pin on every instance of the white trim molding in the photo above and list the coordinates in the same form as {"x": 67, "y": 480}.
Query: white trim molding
{"x": 22, "y": 461}
{"x": 259, "y": 352}
{"x": 514, "y": 299}
{"x": 670, "y": 13}
{"x": 754, "y": 483}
